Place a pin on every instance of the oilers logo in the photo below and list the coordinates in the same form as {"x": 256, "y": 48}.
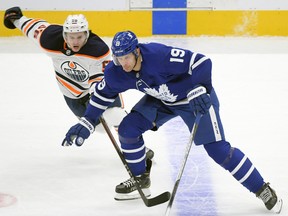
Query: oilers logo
{"x": 75, "y": 71}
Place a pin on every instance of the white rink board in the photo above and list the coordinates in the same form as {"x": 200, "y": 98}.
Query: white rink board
{"x": 107, "y": 5}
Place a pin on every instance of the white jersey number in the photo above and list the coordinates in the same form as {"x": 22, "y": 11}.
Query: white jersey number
{"x": 101, "y": 84}
{"x": 177, "y": 55}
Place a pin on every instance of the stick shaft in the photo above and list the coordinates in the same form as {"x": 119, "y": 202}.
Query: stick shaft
{"x": 187, "y": 151}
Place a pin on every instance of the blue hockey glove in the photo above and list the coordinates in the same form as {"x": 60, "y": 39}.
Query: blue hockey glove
{"x": 199, "y": 100}
{"x": 78, "y": 133}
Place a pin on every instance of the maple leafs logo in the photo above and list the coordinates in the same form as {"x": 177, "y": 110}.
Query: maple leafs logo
{"x": 163, "y": 93}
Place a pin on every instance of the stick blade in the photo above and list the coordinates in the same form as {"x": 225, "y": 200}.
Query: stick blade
{"x": 162, "y": 198}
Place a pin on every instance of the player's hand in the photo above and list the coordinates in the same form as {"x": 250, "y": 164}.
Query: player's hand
{"x": 78, "y": 133}
{"x": 10, "y": 15}
{"x": 199, "y": 100}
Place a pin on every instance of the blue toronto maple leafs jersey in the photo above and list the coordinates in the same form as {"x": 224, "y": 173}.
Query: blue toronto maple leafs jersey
{"x": 167, "y": 73}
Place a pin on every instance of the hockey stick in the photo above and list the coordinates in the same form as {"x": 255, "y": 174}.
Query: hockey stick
{"x": 164, "y": 197}
{"x": 188, "y": 147}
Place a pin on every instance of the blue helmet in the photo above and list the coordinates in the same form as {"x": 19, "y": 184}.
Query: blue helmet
{"x": 124, "y": 43}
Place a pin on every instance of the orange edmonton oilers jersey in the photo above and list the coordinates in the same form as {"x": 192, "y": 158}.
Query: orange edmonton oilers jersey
{"x": 75, "y": 72}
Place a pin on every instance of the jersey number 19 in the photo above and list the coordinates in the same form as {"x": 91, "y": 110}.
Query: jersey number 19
{"x": 177, "y": 55}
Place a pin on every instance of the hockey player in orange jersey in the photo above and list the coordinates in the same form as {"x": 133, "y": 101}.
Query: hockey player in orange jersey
{"x": 79, "y": 56}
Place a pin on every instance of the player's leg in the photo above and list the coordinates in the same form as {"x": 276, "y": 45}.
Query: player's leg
{"x": 140, "y": 119}
{"x": 233, "y": 159}
{"x": 77, "y": 106}
{"x": 243, "y": 170}
{"x": 132, "y": 145}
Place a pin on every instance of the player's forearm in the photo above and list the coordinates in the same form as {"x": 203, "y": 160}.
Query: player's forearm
{"x": 30, "y": 27}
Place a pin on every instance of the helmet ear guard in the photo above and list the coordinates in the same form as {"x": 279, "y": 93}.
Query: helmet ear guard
{"x": 74, "y": 24}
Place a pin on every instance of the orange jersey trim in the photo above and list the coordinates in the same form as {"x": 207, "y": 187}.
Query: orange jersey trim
{"x": 29, "y": 24}
{"x": 98, "y": 79}
{"x": 68, "y": 86}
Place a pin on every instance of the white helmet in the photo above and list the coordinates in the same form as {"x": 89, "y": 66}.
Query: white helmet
{"x": 75, "y": 23}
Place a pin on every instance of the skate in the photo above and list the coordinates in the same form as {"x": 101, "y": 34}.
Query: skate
{"x": 270, "y": 199}
{"x": 127, "y": 190}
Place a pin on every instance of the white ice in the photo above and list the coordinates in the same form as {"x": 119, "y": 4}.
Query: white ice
{"x": 250, "y": 76}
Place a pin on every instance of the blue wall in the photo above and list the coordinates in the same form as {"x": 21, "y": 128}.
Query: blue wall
{"x": 169, "y": 22}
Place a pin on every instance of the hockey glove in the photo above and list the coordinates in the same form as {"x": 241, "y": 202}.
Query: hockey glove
{"x": 199, "y": 100}
{"x": 78, "y": 133}
{"x": 12, "y": 14}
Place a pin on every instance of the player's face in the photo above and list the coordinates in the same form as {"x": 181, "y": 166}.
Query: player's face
{"x": 127, "y": 62}
{"x": 76, "y": 40}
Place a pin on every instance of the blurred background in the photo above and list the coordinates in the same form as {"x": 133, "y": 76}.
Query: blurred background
{"x": 165, "y": 17}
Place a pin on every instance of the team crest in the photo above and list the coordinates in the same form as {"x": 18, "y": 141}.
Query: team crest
{"x": 163, "y": 93}
{"x": 75, "y": 71}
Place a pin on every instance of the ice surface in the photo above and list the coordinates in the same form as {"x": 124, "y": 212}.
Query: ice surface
{"x": 250, "y": 77}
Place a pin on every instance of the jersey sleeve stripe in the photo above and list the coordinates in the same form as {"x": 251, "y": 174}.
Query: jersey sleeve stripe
{"x": 199, "y": 62}
{"x": 194, "y": 64}
{"x": 31, "y": 28}
{"x": 24, "y": 24}
{"x": 29, "y": 24}
{"x": 94, "y": 104}
{"x": 103, "y": 98}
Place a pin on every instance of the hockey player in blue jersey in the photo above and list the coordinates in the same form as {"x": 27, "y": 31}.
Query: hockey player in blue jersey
{"x": 176, "y": 82}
